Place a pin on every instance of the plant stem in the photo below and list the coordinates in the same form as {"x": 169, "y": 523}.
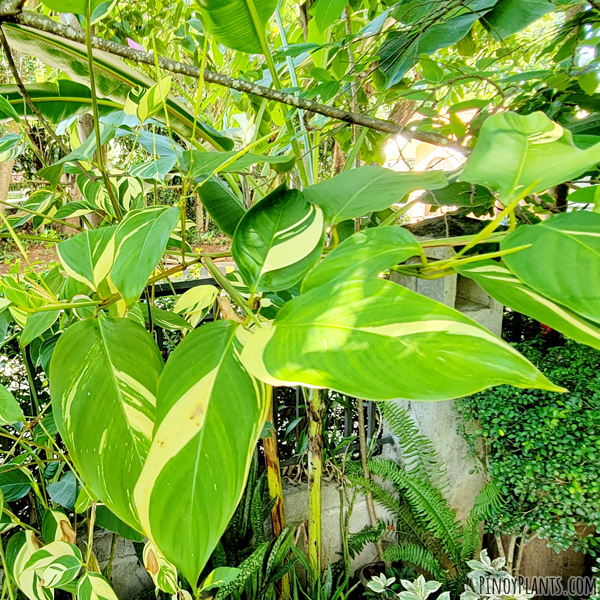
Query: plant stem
{"x": 90, "y": 542}
{"x": 35, "y": 406}
{"x": 315, "y": 479}
{"x": 364, "y": 457}
{"x": 109, "y": 188}
{"x": 7, "y": 575}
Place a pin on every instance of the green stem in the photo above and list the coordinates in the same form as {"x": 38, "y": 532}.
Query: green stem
{"x": 315, "y": 479}
{"x": 90, "y": 543}
{"x": 109, "y": 188}
{"x": 7, "y": 575}
{"x": 35, "y": 406}
{"x": 230, "y": 289}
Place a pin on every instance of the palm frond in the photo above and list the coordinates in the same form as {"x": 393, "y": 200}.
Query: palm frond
{"x": 367, "y": 535}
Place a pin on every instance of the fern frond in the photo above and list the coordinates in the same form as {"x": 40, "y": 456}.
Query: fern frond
{"x": 418, "y": 453}
{"x": 418, "y": 557}
{"x": 428, "y": 505}
{"x": 367, "y": 535}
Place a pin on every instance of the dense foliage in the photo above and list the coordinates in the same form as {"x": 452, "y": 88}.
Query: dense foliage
{"x": 543, "y": 448}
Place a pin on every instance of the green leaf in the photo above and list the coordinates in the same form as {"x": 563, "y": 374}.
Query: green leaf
{"x": 140, "y": 241}
{"x": 502, "y": 285}
{"x": 203, "y": 164}
{"x": 516, "y": 152}
{"x": 163, "y": 573}
{"x": 196, "y": 303}
{"x": 10, "y": 411}
{"x": 154, "y": 170}
{"x": 88, "y": 257}
{"x": 368, "y": 189}
{"x": 165, "y": 319}
{"x": 278, "y": 241}
{"x": 55, "y": 101}
{"x": 93, "y": 586}
{"x": 218, "y": 577}
{"x": 114, "y": 78}
{"x": 103, "y": 381}
{"x": 326, "y": 12}
{"x": 106, "y": 519}
{"x": 15, "y": 483}
{"x": 38, "y": 323}
{"x": 563, "y": 262}
{"x": 7, "y": 111}
{"x": 98, "y": 8}
{"x": 232, "y": 24}
{"x": 65, "y": 491}
{"x": 365, "y": 254}
{"x": 362, "y": 337}
{"x": 209, "y": 414}
{"x": 460, "y": 194}
{"x": 224, "y": 207}
{"x": 151, "y": 101}
{"x": 510, "y": 16}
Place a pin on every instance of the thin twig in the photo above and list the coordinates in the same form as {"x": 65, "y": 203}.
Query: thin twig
{"x": 43, "y": 23}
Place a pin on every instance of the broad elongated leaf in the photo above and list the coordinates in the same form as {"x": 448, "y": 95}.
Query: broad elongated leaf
{"x": 10, "y": 411}
{"x": 278, "y": 240}
{"x": 65, "y": 492}
{"x": 231, "y": 22}
{"x": 196, "y": 303}
{"x": 114, "y": 78}
{"x": 203, "y": 164}
{"x": 377, "y": 340}
{"x": 364, "y": 254}
{"x": 368, "y": 189}
{"x": 166, "y": 319}
{"x": 505, "y": 287}
{"x": 98, "y": 8}
{"x": 563, "y": 263}
{"x": 140, "y": 241}
{"x": 55, "y": 101}
{"x": 224, "y": 207}
{"x": 88, "y": 257}
{"x": 209, "y": 415}
{"x": 103, "y": 381}
{"x": 326, "y": 12}
{"x": 15, "y": 483}
{"x": 460, "y": 194}
{"x": 510, "y": 16}
{"x": 515, "y": 152}
{"x": 106, "y": 519}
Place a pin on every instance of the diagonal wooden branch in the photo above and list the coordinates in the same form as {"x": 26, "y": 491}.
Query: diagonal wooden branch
{"x": 47, "y": 25}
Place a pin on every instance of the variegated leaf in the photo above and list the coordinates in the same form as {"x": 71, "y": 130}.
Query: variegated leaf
{"x": 563, "y": 262}
{"x": 19, "y": 550}
{"x": 377, "y": 340}
{"x": 209, "y": 415}
{"x": 88, "y": 257}
{"x": 56, "y": 527}
{"x": 278, "y": 241}
{"x": 196, "y": 303}
{"x": 103, "y": 381}
{"x": 93, "y": 586}
{"x": 505, "y": 287}
{"x": 163, "y": 573}
{"x": 140, "y": 241}
{"x": 364, "y": 254}
{"x": 57, "y": 564}
{"x": 515, "y": 152}
{"x": 11, "y": 146}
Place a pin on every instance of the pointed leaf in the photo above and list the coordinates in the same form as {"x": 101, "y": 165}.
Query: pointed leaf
{"x": 224, "y": 207}
{"x": 140, "y": 241}
{"x": 37, "y": 324}
{"x": 93, "y": 586}
{"x": 103, "y": 380}
{"x": 362, "y": 338}
{"x": 163, "y": 573}
{"x": 515, "y": 152}
{"x": 278, "y": 240}
{"x": 364, "y": 254}
{"x": 505, "y": 287}
{"x": 209, "y": 414}
{"x": 10, "y": 411}
{"x": 368, "y": 189}
{"x": 510, "y": 16}
{"x": 563, "y": 263}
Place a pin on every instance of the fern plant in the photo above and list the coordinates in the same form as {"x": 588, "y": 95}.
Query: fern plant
{"x": 425, "y": 532}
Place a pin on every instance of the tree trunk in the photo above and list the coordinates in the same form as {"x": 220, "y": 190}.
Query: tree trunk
{"x": 200, "y": 228}
{"x": 6, "y": 169}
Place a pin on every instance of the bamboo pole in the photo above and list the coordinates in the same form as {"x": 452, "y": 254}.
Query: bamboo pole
{"x": 315, "y": 477}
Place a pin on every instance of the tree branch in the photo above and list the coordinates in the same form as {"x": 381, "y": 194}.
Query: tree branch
{"x": 47, "y": 25}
